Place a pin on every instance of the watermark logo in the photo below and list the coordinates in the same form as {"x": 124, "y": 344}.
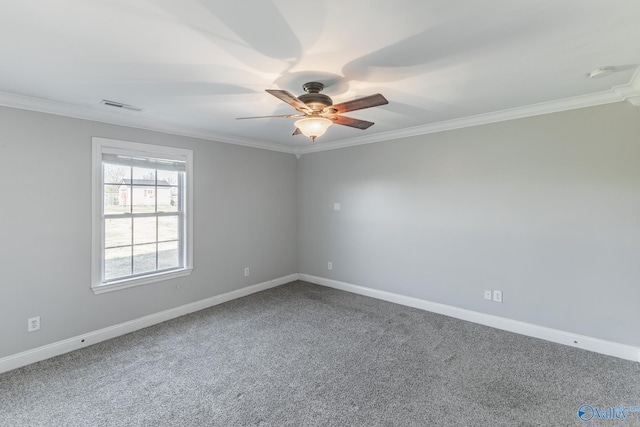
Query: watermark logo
{"x": 588, "y": 412}
{"x": 585, "y": 412}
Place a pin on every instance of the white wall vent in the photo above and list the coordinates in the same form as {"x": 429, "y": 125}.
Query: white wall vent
{"x": 119, "y": 105}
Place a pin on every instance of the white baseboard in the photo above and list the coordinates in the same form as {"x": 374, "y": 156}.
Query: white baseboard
{"x": 561, "y": 337}
{"x": 597, "y": 345}
{"x": 41, "y": 353}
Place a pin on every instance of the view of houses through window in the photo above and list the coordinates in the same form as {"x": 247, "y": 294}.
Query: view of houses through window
{"x": 142, "y": 217}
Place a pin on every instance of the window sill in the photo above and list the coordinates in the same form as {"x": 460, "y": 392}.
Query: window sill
{"x": 139, "y": 281}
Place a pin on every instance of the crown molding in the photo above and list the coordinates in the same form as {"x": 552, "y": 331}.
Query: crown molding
{"x": 129, "y": 119}
{"x": 629, "y": 92}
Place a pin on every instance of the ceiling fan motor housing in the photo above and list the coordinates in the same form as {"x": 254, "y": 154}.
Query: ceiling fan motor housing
{"x": 313, "y": 98}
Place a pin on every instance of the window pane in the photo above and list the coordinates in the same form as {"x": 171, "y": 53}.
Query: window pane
{"x": 117, "y": 262}
{"x": 168, "y": 194}
{"x": 144, "y": 191}
{"x": 117, "y": 232}
{"x": 144, "y": 258}
{"x": 115, "y": 174}
{"x": 167, "y": 178}
{"x": 117, "y": 199}
{"x": 168, "y": 255}
{"x": 144, "y": 200}
{"x": 167, "y": 228}
{"x": 144, "y": 176}
{"x": 167, "y": 199}
{"x": 144, "y": 230}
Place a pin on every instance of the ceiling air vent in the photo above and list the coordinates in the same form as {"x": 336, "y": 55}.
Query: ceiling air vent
{"x": 119, "y": 105}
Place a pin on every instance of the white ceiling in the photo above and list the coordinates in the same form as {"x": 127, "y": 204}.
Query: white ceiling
{"x": 193, "y": 66}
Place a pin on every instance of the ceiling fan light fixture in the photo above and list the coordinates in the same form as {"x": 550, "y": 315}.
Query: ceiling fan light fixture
{"x": 313, "y": 127}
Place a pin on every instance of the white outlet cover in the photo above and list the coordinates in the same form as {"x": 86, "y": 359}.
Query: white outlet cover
{"x": 488, "y": 295}
{"x": 497, "y": 296}
{"x": 336, "y": 206}
{"x": 330, "y": 265}
{"x": 246, "y": 272}
{"x": 33, "y": 324}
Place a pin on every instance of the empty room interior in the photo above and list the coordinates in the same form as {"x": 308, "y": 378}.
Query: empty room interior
{"x": 293, "y": 213}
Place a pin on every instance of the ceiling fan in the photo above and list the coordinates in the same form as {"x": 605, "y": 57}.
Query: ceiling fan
{"x": 318, "y": 111}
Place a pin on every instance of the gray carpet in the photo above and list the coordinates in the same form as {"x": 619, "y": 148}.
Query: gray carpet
{"x": 304, "y": 355}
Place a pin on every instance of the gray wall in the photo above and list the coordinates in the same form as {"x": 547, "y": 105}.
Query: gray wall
{"x": 546, "y": 209}
{"x": 245, "y": 214}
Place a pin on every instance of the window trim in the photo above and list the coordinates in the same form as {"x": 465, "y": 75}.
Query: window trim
{"x": 98, "y": 146}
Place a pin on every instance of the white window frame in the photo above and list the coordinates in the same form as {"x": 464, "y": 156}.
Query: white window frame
{"x": 101, "y": 145}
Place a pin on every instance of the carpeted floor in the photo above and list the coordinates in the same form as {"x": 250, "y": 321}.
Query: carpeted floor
{"x": 305, "y": 355}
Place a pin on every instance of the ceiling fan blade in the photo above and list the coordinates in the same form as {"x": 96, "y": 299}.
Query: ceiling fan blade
{"x": 290, "y": 99}
{"x": 359, "y": 104}
{"x": 286, "y": 116}
{"x": 296, "y": 132}
{"x": 348, "y": 121}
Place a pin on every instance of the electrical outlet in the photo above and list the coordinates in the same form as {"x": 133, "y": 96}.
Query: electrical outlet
{"x": 246, "y": 272}
{"x": 336, "y": 206}
{"x": 497, "y": 296}
{"x": 487, "y": 294}
{"x": 330, "y": 265}
{"x": 33, "y": 324}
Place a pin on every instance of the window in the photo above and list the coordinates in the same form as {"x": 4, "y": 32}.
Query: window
{"x": 142, "y": 214}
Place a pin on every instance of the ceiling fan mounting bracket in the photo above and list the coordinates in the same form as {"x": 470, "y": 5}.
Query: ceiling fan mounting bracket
{"x": 313, "y": 87}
